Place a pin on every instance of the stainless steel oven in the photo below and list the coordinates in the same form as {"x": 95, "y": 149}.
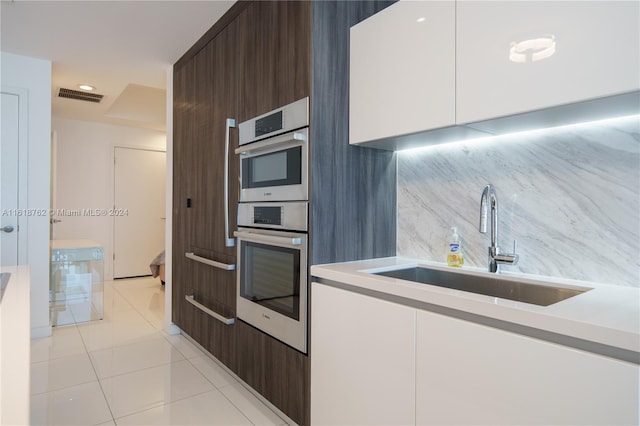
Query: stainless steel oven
{"x": 274, "y": 155}
{"x": 272, "y": 290}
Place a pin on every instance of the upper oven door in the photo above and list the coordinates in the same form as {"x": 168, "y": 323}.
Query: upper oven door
{"x": 275, "y": 169}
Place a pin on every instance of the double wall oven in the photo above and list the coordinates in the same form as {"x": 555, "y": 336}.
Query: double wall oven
{"x": 272, "y": 284}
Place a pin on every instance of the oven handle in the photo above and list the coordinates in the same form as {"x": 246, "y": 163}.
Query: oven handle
{"x": 219, "y": 265}
{"x": 271, "y": 142}
{"x": 229, "y": 242}
{"x": 268, "y": 238}
{"x": 225, "y": 320}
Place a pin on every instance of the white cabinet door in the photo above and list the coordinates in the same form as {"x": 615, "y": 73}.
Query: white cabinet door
{"x": 402, "y": 71}
{"x": 597, "y": 51}
{"x": 472, "y": 374}
{"x": 362, "y": 359}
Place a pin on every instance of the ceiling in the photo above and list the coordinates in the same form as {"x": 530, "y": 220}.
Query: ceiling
{"x": 123, "y": 48}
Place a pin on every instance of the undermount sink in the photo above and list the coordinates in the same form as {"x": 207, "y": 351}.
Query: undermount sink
{"x": 504, "y": 288}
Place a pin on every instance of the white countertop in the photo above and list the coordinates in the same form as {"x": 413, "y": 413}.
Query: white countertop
{"x": 607, "y": 314}
{"x": 15, "y": 347}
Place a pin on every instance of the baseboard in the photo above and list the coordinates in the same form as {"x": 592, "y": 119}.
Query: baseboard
{"x": 171, "y": 329}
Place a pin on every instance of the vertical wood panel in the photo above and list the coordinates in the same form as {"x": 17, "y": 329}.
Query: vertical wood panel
{"x": 353, "y": 189}
{"x": 276, "y": 371}
{"x": 275, "y": 55}
{"x": 205, "y": 95}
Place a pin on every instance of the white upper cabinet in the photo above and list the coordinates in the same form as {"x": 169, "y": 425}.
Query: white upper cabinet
{"x": 402, "y": 71}
{"x": 425, "y": 72}
{"x": 568, "y": 51}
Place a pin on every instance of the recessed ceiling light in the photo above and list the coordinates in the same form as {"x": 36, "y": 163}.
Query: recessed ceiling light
{"x": 421, "y": 19}
{"x": 86, "y": 87}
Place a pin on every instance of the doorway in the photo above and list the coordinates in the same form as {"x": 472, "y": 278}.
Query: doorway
{"x": 13, "y": 168}
{"x": 139, "y": 210}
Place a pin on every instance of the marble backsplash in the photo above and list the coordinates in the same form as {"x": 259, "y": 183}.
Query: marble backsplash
{"x": 569, "y": 196}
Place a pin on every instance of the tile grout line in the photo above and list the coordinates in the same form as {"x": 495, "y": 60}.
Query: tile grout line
{"x": 162, "y": 404}
{"x": 231, "y": 385}
{"x": 219, "y": 389}
{"x": 95, "y": 371}
{"x": 159, "y": 332}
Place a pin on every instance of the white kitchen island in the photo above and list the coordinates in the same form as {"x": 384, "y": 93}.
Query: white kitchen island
{"x": 390, "y": 351}
{"x": 15, "y": 347}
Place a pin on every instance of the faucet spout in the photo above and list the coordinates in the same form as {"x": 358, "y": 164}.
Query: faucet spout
{"x": 489, "y": 202}
{"x": 489, "y": 208}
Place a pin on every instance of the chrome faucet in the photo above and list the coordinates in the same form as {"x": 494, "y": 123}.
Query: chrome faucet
{"x": 489, "y": 200}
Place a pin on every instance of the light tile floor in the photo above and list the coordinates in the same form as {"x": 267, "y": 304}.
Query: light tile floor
{"x": 125, "y": 370}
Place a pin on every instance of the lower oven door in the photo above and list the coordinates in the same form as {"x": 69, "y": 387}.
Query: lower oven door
{"x": 272, "y": 284}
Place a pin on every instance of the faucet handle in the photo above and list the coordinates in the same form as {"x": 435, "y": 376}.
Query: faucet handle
{"x": 514, "y": 255}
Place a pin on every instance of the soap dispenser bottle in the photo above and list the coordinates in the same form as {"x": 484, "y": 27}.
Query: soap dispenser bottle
{"x": 455, "y": 257}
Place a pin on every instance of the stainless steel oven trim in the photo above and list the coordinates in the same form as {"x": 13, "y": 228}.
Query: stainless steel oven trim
{"x": 283, "y": 328}
{"x": 294, "y": 116}
{"x": 279, "y": 193}
{"x": 276, "y": 143}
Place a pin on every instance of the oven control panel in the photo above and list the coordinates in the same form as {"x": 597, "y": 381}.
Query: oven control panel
{"x": 285, "y": 215}
{"x": 267, "y": 215}
{"x": 268, "y": 124}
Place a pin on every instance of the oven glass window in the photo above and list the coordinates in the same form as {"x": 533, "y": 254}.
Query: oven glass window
{"x": 267, "y": 168}
{"x": 273, "y": 169}
{"x": 270, "y": 276}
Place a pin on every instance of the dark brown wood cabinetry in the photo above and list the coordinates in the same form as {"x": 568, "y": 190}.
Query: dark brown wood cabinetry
{"x": 260, "y": 56}
{"x": 205, "y": 96}
{"x": 275, "y": 370}
{"x": 276, "y": 55}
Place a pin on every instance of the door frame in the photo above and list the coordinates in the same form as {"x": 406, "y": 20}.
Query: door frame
{"x": 23, "y": 164}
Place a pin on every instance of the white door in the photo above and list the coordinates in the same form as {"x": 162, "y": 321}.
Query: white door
{"x": 12, "y": 148}
{"x": 139, "y": 210}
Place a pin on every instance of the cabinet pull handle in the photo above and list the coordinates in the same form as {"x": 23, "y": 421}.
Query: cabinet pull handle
{"x": 229, "y": 242}
{"x": 268, "y": 238}
{"x": 219, "y": 265}
{"x": 225, "y": 320}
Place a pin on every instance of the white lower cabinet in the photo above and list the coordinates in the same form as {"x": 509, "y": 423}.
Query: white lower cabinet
{"x": 375, "y": 362}
{"x": 362, "y": 359}
{"x": 468, "y": 373}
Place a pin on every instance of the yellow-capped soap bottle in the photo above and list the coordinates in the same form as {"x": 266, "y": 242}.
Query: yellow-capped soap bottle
{"x": 455, "y": 257}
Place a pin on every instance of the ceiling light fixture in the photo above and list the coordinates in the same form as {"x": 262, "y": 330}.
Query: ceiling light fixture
{"x": 86, "y": 87}
{"x": 532, "y": 50}
{"x": 421, "y": 19}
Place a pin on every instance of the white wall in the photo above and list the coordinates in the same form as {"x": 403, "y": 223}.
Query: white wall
{"x": 569, "y": 196}
{"x": 34, "y": 75}
{"x": 84, "y": 177}
{"x": 169, "y": 326}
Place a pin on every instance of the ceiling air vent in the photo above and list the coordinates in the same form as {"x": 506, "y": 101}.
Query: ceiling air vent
{"x": 81, "y": 96}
